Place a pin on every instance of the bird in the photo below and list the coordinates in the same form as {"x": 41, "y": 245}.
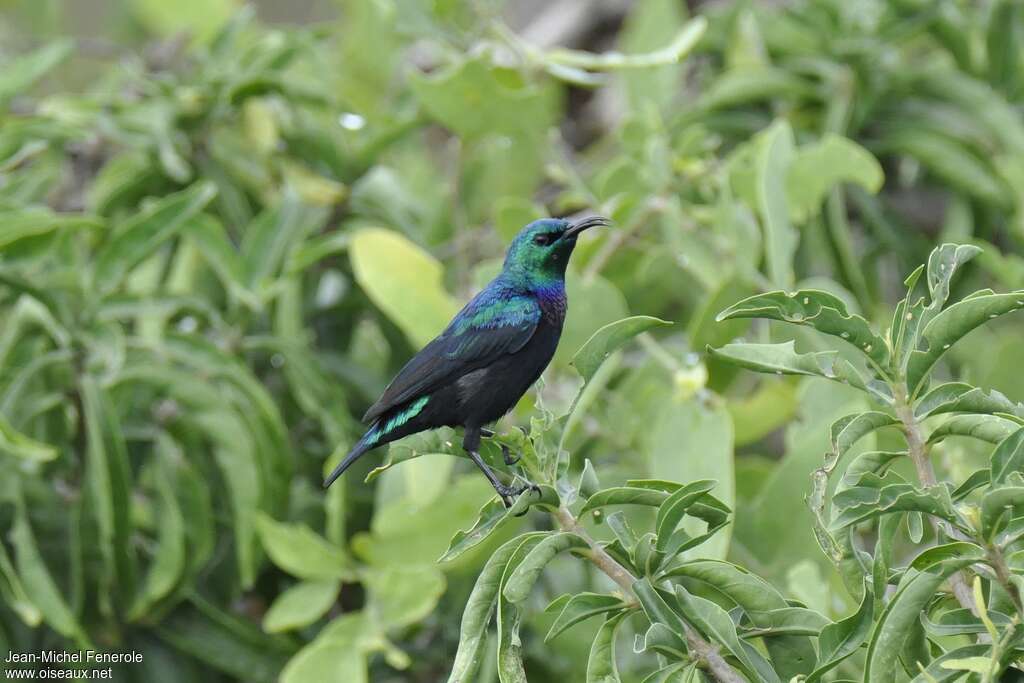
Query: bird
{"x": 489, "y": 355}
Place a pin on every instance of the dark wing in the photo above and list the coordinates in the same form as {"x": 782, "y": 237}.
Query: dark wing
{"x": 486, "y": 329}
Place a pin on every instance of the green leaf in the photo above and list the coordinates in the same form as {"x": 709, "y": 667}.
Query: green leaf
{"x": 519, "y": 584}
{"x": 772, "y": 405}
{"x": 213, "y": 244}
{"x": 601, "y": 667}
{"x": 169, "y": 563}
{"x": 624, "y": 495}
{"x": 782, "y": 359}
{"x": 949, "y": 326}
{"x": 661, "y": 639}
{"x": 658, "y": 611}
{"x": 1003, "y": 45}
{"x": 950, "y": 160}
{"x": 943, "y": 263}
{"x": 764, "y": 606}
{"x": 956, "y": 622}
{"x": 326, "y": 660}
{"x": 693, "y": 439}
{"x": 995, "y": 504}
{"x": 608, "y": 339}
{"x": 301, "y": 552}
{"x": 775, "y": 155}
{"x": 12, "y": 591}
{"x": 957, "y": 397}
{"x": 716, "y": 624}
{"x": 937, "y": 672}
{"x": 846, "y": 431}
{"x": 316, "y": 249}
{"x": 784, "y": 622}
{"x": 980, "y": 665}
{"x": 108, "y": 477}
{"x": 39, "y": 584}
{"x": 21, "y": 73}
{"x": 142, "y": 234}
{"x": 30, "y": 222}
{"x": 491, "y": 517}
{"x": 742, "y": 86}
{"x": 824, "y": 312}
{"x": 675, "y": 507}
{"x": 873, "y": 462}
{"x": 902, "y": 612}
{"x": 272, "y": 236}
{"x": 859, "y": 503}
{"x": 474, "y": 98}
{"x": 1008, "y": 457}
{"x": 225, "y": 641}
{"x": 300, "y": 605}
{"x": 403, "y": 281}
{"x": 991, "y": 428}
{"x": 400, "y": 596}
{"x": 510, "y": 656}
{"x": 821, "y": 165}
{"x": 16, "y": 444}
{"x": 841, "y": 639}
{"x": 581, "y": 607}
{"x": 480, "y": 607}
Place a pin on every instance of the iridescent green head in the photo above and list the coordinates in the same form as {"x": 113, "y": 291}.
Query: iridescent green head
{"x": 541, "y": 250}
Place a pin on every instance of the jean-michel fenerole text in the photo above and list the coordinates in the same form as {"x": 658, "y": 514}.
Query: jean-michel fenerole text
{"x": 72, "y": 657}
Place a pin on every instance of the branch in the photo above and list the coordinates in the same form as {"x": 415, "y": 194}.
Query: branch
{"x": 702, "y": 650}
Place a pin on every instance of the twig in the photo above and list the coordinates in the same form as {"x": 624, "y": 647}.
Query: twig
{"x": 998, "y": 563}
{"x": 702, "y": 650}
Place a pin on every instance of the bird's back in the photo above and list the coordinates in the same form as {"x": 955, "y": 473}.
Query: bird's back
{"x": 497, "y": 323}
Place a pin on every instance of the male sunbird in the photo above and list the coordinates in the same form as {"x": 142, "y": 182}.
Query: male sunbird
{"x": 489, "y": 355}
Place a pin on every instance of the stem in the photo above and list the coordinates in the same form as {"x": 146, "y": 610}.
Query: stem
{"x": 998, "y": 563}
{"x": 700, "y": 649}
{"x": 918, "y": 450}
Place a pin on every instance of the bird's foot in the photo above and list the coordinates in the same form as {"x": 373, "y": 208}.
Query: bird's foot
{"x": 509, "y": 494}
{"x": 507, "y": 456}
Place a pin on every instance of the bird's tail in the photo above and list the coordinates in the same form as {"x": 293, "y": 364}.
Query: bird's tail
{"x": 389, "y": 427}
{"x": 368, "y": 441}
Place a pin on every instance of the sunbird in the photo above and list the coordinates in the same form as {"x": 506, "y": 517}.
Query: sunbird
{"x": 490, "y": 354}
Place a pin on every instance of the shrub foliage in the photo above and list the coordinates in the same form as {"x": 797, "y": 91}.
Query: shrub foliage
{"x": 215, "y": 252}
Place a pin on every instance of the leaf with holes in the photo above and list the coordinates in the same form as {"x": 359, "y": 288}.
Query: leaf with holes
{"x": 949, "y": 326}
{"x": 814, "y": 308}
{"x": 863, "y": 502}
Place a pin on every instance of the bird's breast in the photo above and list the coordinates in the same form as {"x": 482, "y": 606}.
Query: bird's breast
{"x": 553, "y": 307}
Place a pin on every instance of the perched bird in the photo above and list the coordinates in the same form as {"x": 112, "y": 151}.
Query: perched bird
{"x": 489, "y": 355}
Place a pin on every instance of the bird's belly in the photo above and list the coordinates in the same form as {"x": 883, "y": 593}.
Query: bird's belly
{"x": 486, "y": 394}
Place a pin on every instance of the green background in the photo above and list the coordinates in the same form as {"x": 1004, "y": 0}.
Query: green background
{"x": 224, "y": 228}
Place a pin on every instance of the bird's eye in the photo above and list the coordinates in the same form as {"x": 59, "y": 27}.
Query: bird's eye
{"x": 542, "y": 239}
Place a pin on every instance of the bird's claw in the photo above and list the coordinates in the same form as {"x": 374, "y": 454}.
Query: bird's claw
{"x": 509, "y": 494}
{"x": 507, "y": 456}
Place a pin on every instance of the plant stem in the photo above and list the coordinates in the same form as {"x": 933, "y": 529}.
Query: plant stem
{"x": 700, "y": 649}
{"x": 918, "y": 450}
{"x": 998, "y": 563}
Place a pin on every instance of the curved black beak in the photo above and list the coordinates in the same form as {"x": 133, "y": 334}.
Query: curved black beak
{"x": 579, "y": 226}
